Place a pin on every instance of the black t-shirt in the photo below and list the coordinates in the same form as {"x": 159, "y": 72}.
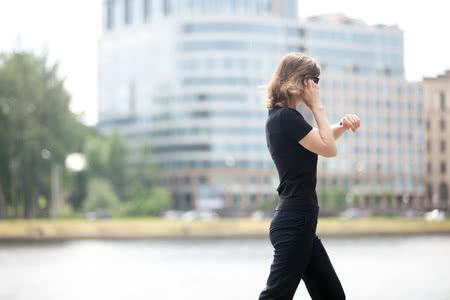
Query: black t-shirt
{"x": 296, "y": 165}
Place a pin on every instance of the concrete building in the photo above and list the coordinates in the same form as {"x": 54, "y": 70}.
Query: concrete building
{"x": 363, "y": 73}
{"x": 437, "y": 136}
{"x": 184, "y": 75}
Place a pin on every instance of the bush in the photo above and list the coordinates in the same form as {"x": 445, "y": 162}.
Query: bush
{"x": 151, "y": 204}
{"x": 101, "y": 195}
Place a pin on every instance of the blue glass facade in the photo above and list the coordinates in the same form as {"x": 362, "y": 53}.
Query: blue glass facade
{"x": 188, "y": 83}
{"x": 119, "y": 13}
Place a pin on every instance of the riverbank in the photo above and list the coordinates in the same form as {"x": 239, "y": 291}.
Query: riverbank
{"x": 145, "y": 228}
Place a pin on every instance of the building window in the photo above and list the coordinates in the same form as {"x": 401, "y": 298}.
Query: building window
{"x": 166, "y": 7}
{"x": 203, "y": 179}
{"x": 442, "y": 101}
{"x": 429, "y": 167}
{"x": 429, "y": 191}
{"x": 236, "y": 200}
{"x": 174, "y": 180}
{"x": 147, "y": 9}
{"x": 428, "y": 125}
{"x": 127, "y": 11}
{"x": 443, "y": 146}
{"x": 443, "y": 167}
{"x": 443, "y": 191}
{"x": 252, "y": 198}
{"x": 428, "y": 146}
{"x": 188, "y": 200}
{"x": 109, "y": 14}
{"x": 252, "y": 179}
{"x": 442, "y": 124}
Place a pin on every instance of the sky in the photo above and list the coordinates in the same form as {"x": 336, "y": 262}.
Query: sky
{"x": 69, "y": 30}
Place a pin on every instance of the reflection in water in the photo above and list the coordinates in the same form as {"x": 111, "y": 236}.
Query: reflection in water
{"x": 415, "y": 267}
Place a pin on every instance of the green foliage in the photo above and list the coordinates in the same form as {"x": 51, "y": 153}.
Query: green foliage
{"x": 148, "y": 204}
{"x": 34, "y": 115}
{"x": 356, "y": 199}
{"x": 339, "y": 197}
{"x": 143, "y": 169}
{"x": 325, "y": 197}
{"x": 117, "y": 164}
{"x": 131, "y": 175}
{"x": 333, "y": 198}
{"x": 389, "y": 195}
{"x": 68, "y": 212}
{"x": 269, "y": 204}
{"x": 100, "y": 195}
{"x": 97, "y": 151}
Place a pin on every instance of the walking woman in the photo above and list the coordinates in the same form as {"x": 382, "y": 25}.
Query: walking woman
{"x": 294, "y": 146}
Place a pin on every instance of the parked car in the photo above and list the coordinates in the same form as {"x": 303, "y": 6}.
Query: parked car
{"x": 198, "y": 214}
{"x": 411, "y": 213}
{"x": 98, "y": 214}
{"x": 435, "y": 215}
{"x": 172, "y": 214}
{"x": 353, "y": 212}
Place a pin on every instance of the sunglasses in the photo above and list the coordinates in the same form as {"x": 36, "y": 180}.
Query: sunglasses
{"x": 315, "y": 79}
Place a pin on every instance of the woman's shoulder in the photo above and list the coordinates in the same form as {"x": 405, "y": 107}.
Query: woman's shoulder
{"x": 288, "y": 112}
{"x": 284, "y": 110}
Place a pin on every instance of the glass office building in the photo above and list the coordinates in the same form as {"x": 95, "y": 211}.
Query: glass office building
{"x": 184, "y": 76}
{"x": 363, "y": 73}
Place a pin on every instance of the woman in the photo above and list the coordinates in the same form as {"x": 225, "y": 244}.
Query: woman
{"x": 294, "y": 146}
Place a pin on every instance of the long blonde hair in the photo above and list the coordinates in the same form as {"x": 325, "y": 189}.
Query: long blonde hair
{"x": 287, "y": 80}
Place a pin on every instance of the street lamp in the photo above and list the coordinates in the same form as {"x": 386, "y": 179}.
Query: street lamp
{"x": 75, "y": 162}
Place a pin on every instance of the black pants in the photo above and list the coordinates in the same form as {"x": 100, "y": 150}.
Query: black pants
{"x": 299, "y": 254}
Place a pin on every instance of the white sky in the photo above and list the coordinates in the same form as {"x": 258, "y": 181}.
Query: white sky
{"x": 69, "y": 31}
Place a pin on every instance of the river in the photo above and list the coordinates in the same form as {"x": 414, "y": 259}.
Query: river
{"x": 388, "y": 268}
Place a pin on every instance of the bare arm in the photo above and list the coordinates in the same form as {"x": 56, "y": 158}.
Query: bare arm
{"x": 337, "y": 130}
{"x": 319, "y": 141}
{"x": 349, "y": 121}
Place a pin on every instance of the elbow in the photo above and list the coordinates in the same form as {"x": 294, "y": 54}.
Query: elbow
{"x": 331, "y": 152}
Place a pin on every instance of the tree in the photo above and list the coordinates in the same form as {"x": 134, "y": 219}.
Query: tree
{"x": 389, "y": 195}
{"x": 100, "y": 195}
{"x": 149, "y": 204}
{"x": 35, "y": 116}
{"x": 269, "y": 204}
{"x": 340, "y": 197}
{"x": 356, "y": 199}
{"x": 117, "y": 164}
{"x": 325, "y": 197}
{"x": 107, "y": 158}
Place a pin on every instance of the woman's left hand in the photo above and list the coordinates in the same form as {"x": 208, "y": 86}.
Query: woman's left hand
{"x": 350, "y": 121}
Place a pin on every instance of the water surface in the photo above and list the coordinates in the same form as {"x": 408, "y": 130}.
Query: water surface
{"x": 388, "y": 268}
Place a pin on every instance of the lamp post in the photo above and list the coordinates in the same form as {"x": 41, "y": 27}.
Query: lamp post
{"x": 54, "y": 182}
{"x": 74, "y": 162}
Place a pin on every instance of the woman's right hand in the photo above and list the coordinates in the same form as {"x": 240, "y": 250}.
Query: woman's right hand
{"x": 311, "y": 93}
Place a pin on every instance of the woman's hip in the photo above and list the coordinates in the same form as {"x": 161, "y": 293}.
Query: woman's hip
{"x": 293, "y": 227}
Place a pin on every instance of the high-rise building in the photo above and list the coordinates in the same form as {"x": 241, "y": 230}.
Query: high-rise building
{"x": 363, "y": 74}
{"x": 437, "y": 137}
{"x": 184, "y": 75}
